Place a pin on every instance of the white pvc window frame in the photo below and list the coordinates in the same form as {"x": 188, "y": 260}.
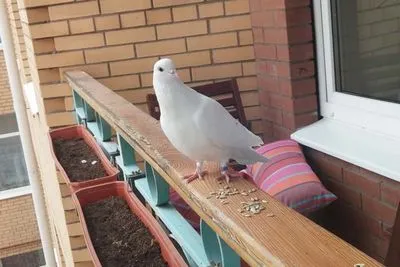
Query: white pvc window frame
{"x": 15, "y": 192}
{"x": 373, "y": 115}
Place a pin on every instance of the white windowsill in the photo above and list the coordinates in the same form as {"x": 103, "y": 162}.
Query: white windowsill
{"x": 17, "y": 192}
{"x": 375, "y": 152}
{"x": 8, "y": 135}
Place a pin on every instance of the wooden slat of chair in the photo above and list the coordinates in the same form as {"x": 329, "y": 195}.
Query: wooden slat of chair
{"x": 226, "y": 93}
{"x": 393, "y": 256}
{"x": 227, "y": 102}
{"x": 152, "y": 104}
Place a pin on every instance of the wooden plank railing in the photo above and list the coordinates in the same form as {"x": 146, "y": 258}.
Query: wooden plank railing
{"x": 284, "y": 239}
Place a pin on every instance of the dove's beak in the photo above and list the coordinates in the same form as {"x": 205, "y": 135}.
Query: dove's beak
{"x": 173, "y": 72}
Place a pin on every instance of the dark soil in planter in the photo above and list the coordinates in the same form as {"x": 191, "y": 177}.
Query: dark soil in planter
{"x": 119, "y": 237}
{"x": 70, "y": 153}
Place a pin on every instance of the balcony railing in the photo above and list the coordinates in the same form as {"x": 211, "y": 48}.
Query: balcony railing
{"x": 284, "y": 239}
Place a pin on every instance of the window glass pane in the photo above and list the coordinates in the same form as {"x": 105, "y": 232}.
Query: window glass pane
{"x": 8, "y": 123}
{"x": 12, "y": 164}
{"x": 366, "y": 36}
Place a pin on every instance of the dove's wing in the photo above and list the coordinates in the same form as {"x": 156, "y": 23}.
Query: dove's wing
{"x": 220, "y": 127}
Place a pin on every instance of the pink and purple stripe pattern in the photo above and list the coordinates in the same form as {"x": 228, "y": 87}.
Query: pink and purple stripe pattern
{"x": 288, "y": 178}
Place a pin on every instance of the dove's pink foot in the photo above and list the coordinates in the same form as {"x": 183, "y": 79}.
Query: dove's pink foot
{"x": 229, "y": 173}
{"x": 198, "y": 173}
{"x": 194, "y": 176}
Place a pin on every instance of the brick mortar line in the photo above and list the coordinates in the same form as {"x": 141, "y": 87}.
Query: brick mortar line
{"x": 148, "y": 57}
{"x": 144, "y": 42}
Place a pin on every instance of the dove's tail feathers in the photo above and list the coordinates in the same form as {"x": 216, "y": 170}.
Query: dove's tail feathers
{"x": 255, "y": 139}
{"x": 258, "y": 141}
{"x": 247, "y": 156}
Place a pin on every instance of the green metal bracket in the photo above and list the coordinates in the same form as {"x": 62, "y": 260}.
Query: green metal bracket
{"x": 92, "y": 126}
{"x": 183, "y": 233}
{"x": 89, "y": 112}
{"x": 218, "y": 252}
{"x": 127, "y": 152}
{"x": 189, "y": 259}
{"x": 207, "y": 249}
{"x": 101, "y": 130}
{"x": 126, "y": 161}
{"x": 79, "y": 109}
{"x": 159, "y": 188}
{"x": 78, "y": 101}
{"x": 104, "y": 128}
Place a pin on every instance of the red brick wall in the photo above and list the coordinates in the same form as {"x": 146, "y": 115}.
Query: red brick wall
{"x": 117, "y": 42}
{"x": 366, "y": 209}
{"x": 18, "y": 227}
{"x": 283, "y": 43}
{"x": 285, "y": 61}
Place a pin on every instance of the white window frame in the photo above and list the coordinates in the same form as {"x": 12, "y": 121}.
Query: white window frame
{"x": 374, "y": 115}
{"x": 15, "y": 192}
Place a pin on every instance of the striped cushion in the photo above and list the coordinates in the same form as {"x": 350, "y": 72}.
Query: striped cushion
{"x": 288, "y": 178}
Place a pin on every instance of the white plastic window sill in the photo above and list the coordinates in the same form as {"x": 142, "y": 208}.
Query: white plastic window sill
{"x": 17, "y": 192}
{"x": 8, "y": 135}
{"x": 371, "y": 151}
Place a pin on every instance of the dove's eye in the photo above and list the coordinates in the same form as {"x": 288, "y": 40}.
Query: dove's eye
{"x": 160, "y": 69}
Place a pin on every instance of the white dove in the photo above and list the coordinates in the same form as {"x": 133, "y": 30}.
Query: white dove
{"x": 199, "y": 127}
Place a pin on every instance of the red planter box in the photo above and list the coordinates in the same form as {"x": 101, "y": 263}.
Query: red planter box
{"x": 81, "y": 132}
{"x": 92, "y": 194}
